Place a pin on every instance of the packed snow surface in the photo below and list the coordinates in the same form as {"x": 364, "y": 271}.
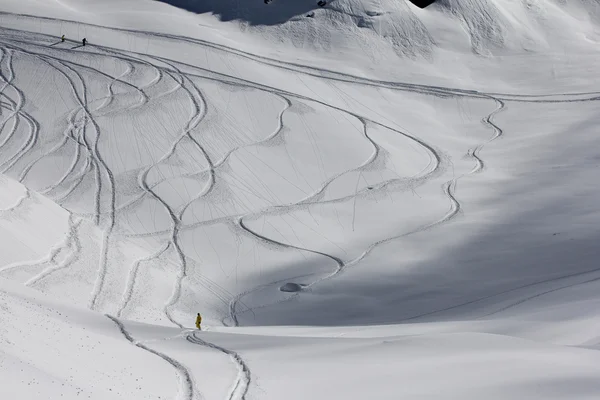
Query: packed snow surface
{"x": 363, "y": 200}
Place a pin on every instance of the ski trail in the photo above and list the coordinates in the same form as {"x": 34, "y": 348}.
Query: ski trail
{"x": 71, "y": 126}
{"x": 507, "y": 291}
{"x": 240, "y": 387}
{"x": 240, "y": 223}
{"x": 17, "y": 108}
{"x": 535, "y": 296}
{"x": 75, "y": 160}
{"x": 18, "y": 203}
{"x": 128, "y": 292}
{"x": 72, "y": 240}
{"x": 237, "y": 299}
{"x": 488, "y": 120}
{"x": 186, "y": 389}
{"x": 98, "y": 163}
{"x": 50, "y": 258}
{"x": 330, "y": 74}
{"x": 340, "y": 266}
{"x": 226, "y": 157}
{"x": 449, "y": 189}
{"x": 196, "y": 116}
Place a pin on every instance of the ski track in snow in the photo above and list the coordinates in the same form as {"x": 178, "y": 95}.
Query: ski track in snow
{"x": 18, "y": 203}
{"x": 72, "y": 240}
{"x": 242, "y": 381}
{"x": 187, "y": 390}
{"x": 98, "y": 163}
{"x": 50, "y": 258}
{"x": 449, "y": 189}
{"x": 85, "y": 133}
{"x": 198, "y": 111}
{"x": 512, "y": 290}
{"x": 17, "y": 111}
{"x": 133, "y": 271}
{"x": 184, "y": 82}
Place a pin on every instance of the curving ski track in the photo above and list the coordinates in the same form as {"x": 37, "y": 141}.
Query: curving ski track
{"x": 186, "y": 390}
{"x": 242, "y": 382}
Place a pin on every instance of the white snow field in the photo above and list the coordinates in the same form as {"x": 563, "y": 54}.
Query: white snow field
{"x": 367, "y": 200}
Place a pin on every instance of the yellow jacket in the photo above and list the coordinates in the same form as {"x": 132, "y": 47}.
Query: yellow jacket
{"x": 198, "y": 321}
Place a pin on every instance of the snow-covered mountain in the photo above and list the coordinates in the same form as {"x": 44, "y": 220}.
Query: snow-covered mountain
{"x": 363, "y": 200}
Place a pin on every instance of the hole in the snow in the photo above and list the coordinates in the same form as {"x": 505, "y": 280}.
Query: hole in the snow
{"x": 291, "y": 287}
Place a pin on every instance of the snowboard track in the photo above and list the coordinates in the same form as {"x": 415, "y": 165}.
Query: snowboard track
{"x": 187, "y": 389}
{"x": 244, "y": 377}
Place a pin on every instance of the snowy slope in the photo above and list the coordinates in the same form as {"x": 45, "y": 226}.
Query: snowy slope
{"x": 378, "y": 200}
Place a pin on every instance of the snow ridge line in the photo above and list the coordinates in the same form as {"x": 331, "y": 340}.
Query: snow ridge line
{"x": 131, "y": 279}
{"x": 186, "y": 390}
{"x": 244, "y": 376}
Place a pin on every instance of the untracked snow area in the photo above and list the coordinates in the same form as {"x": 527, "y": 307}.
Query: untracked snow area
{"x": 363, "y": 200}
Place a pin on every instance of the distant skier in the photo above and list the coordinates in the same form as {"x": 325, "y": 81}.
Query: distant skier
{"x": 198, "y": 321}
{"x": 84, "y": 41}
{"x": 62, "y": 38}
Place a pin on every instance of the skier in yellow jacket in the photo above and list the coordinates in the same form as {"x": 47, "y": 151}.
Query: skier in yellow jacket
{"x": 198, "y": 321}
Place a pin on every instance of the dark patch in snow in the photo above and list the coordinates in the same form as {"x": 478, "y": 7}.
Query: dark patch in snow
{"x": 291, "y": 287}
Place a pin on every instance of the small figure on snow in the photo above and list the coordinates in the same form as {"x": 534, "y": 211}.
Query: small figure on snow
{"x": 322, "y": 3}
{"x": 62, "y": 38}
{"x": 198, "y": 321}
{"x": 84, "y": 41}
